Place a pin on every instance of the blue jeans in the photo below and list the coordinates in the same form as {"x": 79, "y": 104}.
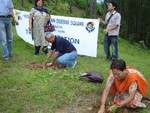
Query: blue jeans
{"x": 6, "y": 37}
{"x": 111, "y": 40}
{"x": 67, "y": 59}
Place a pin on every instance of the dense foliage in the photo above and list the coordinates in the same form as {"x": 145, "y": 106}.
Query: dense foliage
{"x": 135, "y": 14}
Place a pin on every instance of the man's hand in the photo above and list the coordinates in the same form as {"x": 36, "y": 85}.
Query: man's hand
{"x": 101, "y": 20}
{"x": 49, "y": 64}
{"x": 17, "y": 23}
{"x": 44, "y": 63}
{"x": 30, "y": 27}
{"x": 105, "y": 31}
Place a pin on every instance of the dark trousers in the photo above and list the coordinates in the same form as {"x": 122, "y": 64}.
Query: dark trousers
{"x": 37, "y": 49}
{"x": 111, "y": 40}
{"x": 44, "y": 49}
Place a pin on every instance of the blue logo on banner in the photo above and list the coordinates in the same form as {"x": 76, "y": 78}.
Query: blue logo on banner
{"x": 17, "y": 15}
{"x": 90, "y": 27}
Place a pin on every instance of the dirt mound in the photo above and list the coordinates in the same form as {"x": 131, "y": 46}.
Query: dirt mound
{"x": 96, "y": 107}
{"x": 92, "y": 105}
{"x": 38, "y": 66}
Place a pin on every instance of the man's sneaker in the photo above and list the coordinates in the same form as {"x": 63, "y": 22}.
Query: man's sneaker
{"x": 61, "y": 66}
{"x": 6, "y": 60}
{"x": 74, "y": 64}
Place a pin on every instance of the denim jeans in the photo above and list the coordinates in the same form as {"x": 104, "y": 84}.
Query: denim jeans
{"x": 6, "y": 37}
{"x": 67, "y": 59}
{"x": 111, "y": 40}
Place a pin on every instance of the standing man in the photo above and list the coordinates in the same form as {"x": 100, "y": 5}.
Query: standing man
{"x": 112, "y": 22}
{"x": 64, "y": 52}
{"x": 6, "y": 38}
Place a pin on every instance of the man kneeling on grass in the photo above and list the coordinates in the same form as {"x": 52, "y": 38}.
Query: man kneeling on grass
{"x": 64, "y": 52}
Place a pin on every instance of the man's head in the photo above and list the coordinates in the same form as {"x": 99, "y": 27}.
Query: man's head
{"x": 49, "y": 37}
{"x": 112, "y": 6}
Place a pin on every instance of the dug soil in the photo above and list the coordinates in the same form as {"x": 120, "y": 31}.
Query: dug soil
{"x": 92, "y": 104}
{"x": 38, "y": 66}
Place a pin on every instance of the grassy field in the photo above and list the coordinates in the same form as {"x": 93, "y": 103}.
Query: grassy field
{"x": 60, "y": 91}
{"x": 45, "y": 91}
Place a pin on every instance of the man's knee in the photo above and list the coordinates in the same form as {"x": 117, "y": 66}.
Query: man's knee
{"x": 59, "y": 60}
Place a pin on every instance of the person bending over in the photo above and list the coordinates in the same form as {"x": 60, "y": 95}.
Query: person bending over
{"x": 64, "y": 52}
{"x": 127, "y": 85}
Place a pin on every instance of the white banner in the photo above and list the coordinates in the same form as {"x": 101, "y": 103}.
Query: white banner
{"x": 82, "y": 33}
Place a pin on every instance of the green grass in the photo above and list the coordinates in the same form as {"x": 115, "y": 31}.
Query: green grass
{"x": 26, "y": 91}
{"x": 45, "y": 91}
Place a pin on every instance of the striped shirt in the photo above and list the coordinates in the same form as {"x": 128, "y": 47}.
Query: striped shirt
{"x": 5, "y": 6}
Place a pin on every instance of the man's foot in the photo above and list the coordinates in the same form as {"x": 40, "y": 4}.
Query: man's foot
{"x": 6, "y": 61}
{"x": 74, "y": 64}
{"x": 61, "y": 66}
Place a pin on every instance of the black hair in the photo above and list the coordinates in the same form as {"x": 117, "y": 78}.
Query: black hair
{"x": 37, "y": 1}
{"x": 114, "y": 4}
{"x": 118, "y": 64}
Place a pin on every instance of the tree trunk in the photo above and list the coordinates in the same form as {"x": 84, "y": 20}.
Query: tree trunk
{"x": 128, "y": 19}
{"x": 91, "y": 8}
{"x": 86, "y": 8}
{"x": 70, "y": 4}
{"x": 135, "y": 20}
{"x": 56, "y": 2}
{"x": 95, "y": 9}
{"x": 105, "y": 7}
{"x": 21, "y": 2}
{"x": 30, "y": 1}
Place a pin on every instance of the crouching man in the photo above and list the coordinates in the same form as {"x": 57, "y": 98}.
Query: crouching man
{"x": 64, "y": 52}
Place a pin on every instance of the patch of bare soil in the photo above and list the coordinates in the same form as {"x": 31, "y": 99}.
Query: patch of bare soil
{"x": 92, "y": 104}
{"x": 1, "y": 70}
{"x": 39, "y": 66}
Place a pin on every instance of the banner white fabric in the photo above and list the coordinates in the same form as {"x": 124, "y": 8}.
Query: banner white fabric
{"x": 81, "y": 32}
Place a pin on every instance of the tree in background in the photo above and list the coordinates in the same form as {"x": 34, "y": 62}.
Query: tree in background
{"x": 31, "y": 1}
{"x": 21, "y": 2}
{"x": 70, "y": 4}
{"x": 135, "y": 20}
{"x": 135, "y": 14}
{"x": 56, "y": 2}
{"x": 86, "y": 8}
{"x": 93, "y": 8}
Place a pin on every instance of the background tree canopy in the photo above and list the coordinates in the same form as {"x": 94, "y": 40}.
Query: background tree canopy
{"x": 135, "y": 14}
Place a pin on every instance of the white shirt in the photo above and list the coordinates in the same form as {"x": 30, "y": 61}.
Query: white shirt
{"x": 115, "y": 20}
